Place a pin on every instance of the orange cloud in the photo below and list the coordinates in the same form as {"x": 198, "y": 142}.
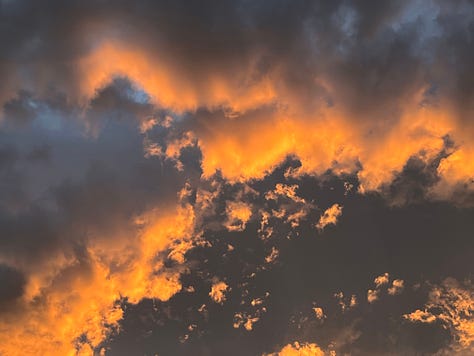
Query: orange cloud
{"x": 301, "y": 349}
{"x": 284, "y": 190}
{"x": 329, "y": 216}
{"x": 319, "y": 313}
{"x": 218, "y": 290}
{"x": 245, "y": 320}
{"x": 265, "y": 117}
{"x": 372, "y": 295}
{"x": 251, "y": 146}
{"x": 291, "y": 207}
{"x": 456, "y": 172}
{"x": 344, "y": 302}
{"x": 420, "y": 316}
{"x": 80, "y": 299}
{"x": 168, "y": 85}
{"x": 381, "y": 280}
{"x": 238, "y": 214}
{"x": 263, "y": 121}
{"x": 451, "y": 304}
{"x": 328, "y": 139}
{"x": 397, "y": 287}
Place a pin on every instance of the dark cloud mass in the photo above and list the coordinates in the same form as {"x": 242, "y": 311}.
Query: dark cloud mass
{"x": 236, "y": 177}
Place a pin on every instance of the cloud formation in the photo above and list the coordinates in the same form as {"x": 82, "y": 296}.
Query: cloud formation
{"x": 451, "y": 304}
{"x": 329, "y": 216}
{"x": 151, "y": 150}
{"x": 366, "y": 99}
{"x": 72, "y": 303}
{"x": 303, "y": 349}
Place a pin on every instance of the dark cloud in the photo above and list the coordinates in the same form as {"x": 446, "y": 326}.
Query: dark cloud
{"x": 124, "y": 122}
{"x": 370, "y": 49}
{"x": 414, "y": 243}
{"x": 12, "y": 284}
{"x": 21, "y": 109}
{"x": 40, "y": 154}
{"x": 118, "y": 101}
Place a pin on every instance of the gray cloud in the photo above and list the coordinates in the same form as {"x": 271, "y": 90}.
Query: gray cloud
{"x": 73, "y": 170}
{"x": 375, "y": 53}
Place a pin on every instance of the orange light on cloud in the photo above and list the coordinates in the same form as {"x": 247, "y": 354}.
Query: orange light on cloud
{"x": 301, "y": 349}
{"x": 80, "y": 300}
{"x": 243, "y": 145}
{"x": 167, "y": 85}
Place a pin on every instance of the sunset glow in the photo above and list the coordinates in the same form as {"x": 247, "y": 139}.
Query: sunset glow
{"x": 236, "y": 178}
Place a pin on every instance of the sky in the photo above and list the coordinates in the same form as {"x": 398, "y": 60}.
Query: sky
{"x": 235, "y": 177}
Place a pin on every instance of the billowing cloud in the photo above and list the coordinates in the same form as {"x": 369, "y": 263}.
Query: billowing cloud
{"x": 74, "y": 302}
{"x": 151, "y": 150}
{"x": 350, "y": 108}
{"x": 81, "y": 295}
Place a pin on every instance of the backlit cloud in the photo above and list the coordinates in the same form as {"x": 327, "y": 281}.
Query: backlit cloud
{"x": 167, "y": 166}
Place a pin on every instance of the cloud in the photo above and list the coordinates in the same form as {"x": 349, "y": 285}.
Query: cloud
{"x": 420, "y": 316}
{"x": 381, "y": 280}
{"x": 451, "y": 304}
{"x": 78, "y": 298}
{"x": 12, "y": 285}
{"x": 284, "y": 190}
{"x": 345, "y": 303}
{"x": 245, "y": 320}
{"x": 109, "y": 110}
{"x": 319, "y": 313}
{"x": 348, "y": 107}
{"x": 273, "y": 256}
{"x": 218, "y": 291}
{"x": 397, "y": 287}
{"x": 238, "y": 214}
{"x": 372, "y": 295}
{"x": 84, "y": 238}
{"x": 329, "y": 217}
{"x": 301, "y": 349}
